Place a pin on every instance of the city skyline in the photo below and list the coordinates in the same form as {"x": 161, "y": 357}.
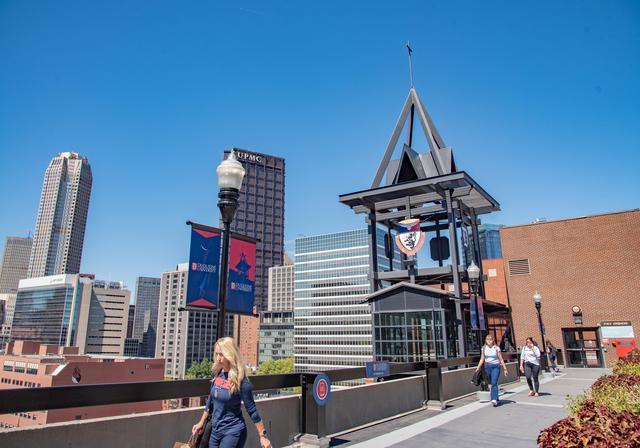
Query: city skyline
{"x": 519, "y": 114}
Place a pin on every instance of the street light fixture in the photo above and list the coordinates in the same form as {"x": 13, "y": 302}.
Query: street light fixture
{"x": 230, "y": 174}
{"x": 473, "y": 274}
{"x": 537, "y": 300}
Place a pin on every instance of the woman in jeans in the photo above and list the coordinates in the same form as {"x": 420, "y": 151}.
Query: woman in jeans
{"x": 530, "y": 365}
{"x": 491, "y": 358}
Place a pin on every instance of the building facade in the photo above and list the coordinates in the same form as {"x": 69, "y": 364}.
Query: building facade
{"x": 332, "y": 325}
{"x": 103, "y": 330}
{"x": 260, "y": 215}
{"x": 9, "y": 305}
{"x": 48, "y": 309}
{"x": 184, "y": 337}
{"x": 146, "y": 317}
{"x": 489, "y": 239}
{"x": 15, "y": 263}
{"x": 276, "y": 335}
{"x": 29, "y": 364}
{"x": 62, "y": 216}
{"x": 132, "y": 314}
{"x": 281, "y": 288}
{"x": 585, "y": 270}
{"x": 72, "y": 310}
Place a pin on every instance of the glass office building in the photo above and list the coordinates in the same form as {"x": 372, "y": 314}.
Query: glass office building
{"x": 490, "y": 246}
{"x": 332, "y": 323}
{"x": 47, "y": 310}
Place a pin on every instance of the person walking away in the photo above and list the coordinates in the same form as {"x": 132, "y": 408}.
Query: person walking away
{"x": 491, "y": 358}
{"x": 229, "y": 388}
{"x": 530, "y": 365}
{"x": 553, "y": 356}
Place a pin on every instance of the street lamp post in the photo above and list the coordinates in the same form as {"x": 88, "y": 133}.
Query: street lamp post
{"x": 230, "y": 174}
{"x": 537, "y": 299}
{"x": 473, "y": 273}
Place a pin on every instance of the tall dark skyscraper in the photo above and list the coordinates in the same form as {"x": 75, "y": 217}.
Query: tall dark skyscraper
{"x": 261, "y": 216}
{"x": 145, "y": 322}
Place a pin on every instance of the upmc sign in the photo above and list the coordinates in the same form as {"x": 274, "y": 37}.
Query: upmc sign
{"x": 249, "y": 156}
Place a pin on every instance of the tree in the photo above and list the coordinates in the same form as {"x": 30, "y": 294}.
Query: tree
{"x": 270, "y": 367}
{"x": 200, "y": 369}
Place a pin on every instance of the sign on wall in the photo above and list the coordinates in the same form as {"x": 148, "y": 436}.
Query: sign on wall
{"x": 409, "y": 238}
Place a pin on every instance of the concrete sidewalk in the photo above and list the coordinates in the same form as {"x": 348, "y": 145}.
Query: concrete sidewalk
{"x": 469, "y": 423}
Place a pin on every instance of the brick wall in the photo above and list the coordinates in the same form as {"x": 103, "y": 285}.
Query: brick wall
{"x": 591, "y": 262}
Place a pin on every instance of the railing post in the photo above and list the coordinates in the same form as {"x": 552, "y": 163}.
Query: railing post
{"x": 313, "y": 418}
{"x": 434, "y": 386}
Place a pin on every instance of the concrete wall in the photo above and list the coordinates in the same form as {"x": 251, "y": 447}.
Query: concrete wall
{"x": 356, "y": 406}
{"x": 151, "y": 430}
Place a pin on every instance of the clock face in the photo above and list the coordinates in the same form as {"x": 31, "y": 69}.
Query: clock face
{"x": 576, "y": 309}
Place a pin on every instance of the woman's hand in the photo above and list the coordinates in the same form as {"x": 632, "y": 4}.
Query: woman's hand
{"x": 521, "y": 369}
{"x": 197, "y": 428}
{"x": 264, "y": 442}
{"x": 506, "y": 372}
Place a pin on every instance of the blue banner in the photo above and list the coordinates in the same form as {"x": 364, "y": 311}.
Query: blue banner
{"x": 204, "y": 269}
{"x": 473, "y": 309}
{"x": 242, "y": 276}
{"x": 376, "y": 369}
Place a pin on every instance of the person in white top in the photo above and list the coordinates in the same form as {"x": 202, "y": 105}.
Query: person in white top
{"x": 491, "y": 357}
{"x": 530, "y": 365}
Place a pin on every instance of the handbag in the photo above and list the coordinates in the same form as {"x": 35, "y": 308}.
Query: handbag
{"x": 189, "y": 443}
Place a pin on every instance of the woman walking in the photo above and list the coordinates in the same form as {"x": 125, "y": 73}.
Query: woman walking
{"x": 530, "y": 365}
{"x": 553, "y": 355}
{"x": 491, "y": 358}
{"x": 229, "y": 387}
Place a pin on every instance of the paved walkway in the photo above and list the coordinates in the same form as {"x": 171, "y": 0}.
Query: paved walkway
{"x": 469, "y": 423}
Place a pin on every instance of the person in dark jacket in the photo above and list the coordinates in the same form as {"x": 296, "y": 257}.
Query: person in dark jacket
{"x": 229, "y": 389}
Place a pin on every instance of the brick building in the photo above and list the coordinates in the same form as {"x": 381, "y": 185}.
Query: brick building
{"x": 30, "y": 364}
{"x": 585, "y": 270}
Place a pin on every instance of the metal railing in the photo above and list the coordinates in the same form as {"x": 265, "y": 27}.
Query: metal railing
{"x": 312, "y": 417}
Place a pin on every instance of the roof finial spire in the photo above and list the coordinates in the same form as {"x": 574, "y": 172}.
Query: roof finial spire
{"x": 410, "y": 64}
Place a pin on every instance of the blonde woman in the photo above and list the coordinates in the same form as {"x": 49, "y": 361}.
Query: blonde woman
{"x": 229, "y": 387}
{"x": 491, "y": 358}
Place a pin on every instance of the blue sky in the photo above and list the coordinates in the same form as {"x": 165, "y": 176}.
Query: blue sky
{"x": 539, "y": 101}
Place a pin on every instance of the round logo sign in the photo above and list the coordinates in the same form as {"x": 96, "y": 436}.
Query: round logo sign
{"x": 321, "y": 389}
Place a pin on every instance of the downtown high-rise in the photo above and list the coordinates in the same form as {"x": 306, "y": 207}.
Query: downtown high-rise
{"x": 260, "y": 215}
{"x": 145, "y": 325}
{"x": 15, "y": 263}
{"x": 62, "y": 216}
{"x": 332, "y": 320}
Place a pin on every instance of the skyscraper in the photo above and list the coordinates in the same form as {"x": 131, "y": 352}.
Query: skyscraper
{"x": 62, "y": 216}
{"x": 281, "y": 288}
{"x": 15, "y": 263}
{"x": 260, "y": 215}
{"x": 145, "y": 325}
{"x": 332, "y": 324}
{"x": 489, "y": 239}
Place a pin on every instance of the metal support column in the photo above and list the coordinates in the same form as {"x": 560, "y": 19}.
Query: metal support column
{"x": 457, "y": 285}
{"x": 373, "y": 251}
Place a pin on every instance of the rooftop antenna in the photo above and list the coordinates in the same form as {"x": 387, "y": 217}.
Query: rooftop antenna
{"x": 410, "y": 64}
{"x": 410, "y": 130}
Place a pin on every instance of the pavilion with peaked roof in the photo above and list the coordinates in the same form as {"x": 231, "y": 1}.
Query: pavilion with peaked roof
{"x": 448, "y": 202}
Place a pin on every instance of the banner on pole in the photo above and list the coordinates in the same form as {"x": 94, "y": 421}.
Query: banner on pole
{"x": 204, "y": 271}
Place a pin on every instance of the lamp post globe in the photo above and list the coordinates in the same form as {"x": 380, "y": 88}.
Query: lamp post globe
{"x": 473, "y": 271}
{"x": 230, "y": 175}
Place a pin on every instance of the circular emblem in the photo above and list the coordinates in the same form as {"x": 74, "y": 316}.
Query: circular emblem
{"x": 321, "y": 389}
{"x": 576, "y": 309}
